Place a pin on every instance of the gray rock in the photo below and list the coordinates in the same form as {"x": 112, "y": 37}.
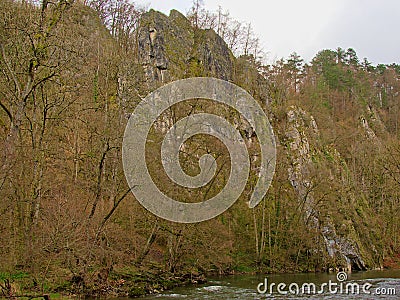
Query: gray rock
{"x": 344, "y": 249}
{"x": 170, "y": 48}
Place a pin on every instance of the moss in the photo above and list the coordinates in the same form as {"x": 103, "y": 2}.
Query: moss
{"x": 244, "y": 269}
{"x": 137, "y": 291}
{"x": 13, "y": 275}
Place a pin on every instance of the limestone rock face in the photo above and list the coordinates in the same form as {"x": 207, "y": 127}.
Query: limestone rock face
{"x": 345, "y": 249}
{"x": 214, "y": 55}
{"x": 171, "y": 48}
{"x": 300, "y": 156}
{"x": 151, "y": 40}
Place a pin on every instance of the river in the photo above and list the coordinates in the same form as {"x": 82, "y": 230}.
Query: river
{"x": 357, "y": 285}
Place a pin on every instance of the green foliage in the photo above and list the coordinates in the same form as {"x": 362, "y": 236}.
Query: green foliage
{"x": 13, "y": 276}
{"x": 336, "y": 76}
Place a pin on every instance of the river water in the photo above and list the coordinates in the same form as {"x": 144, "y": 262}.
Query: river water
{"x": 357, "y": 285}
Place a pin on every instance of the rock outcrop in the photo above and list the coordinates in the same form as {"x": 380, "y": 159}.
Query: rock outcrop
{"x": 171, "y": 48}
{"x": 344, "y": 249}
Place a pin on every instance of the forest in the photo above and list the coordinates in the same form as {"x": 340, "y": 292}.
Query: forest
{"x": 71, "y": 73}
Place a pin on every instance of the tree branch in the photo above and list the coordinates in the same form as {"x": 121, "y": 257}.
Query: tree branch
{"x": 13, "y": 76}
{"x": 7, "y": 111}
{"x": 99, "y": 177}
{"x": 115, "y": 206}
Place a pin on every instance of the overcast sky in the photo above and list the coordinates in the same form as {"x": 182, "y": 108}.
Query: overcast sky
{"x": 371, "y": 27}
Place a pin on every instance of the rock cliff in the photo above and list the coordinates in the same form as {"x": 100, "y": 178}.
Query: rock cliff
{"x": 301, "y": 130}
{"x": 170, "y": 48}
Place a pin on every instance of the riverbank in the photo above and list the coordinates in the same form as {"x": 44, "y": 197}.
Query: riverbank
{"x": 125, "y": 282}
{"x": 121, "y": 282}
{"x": 135, "y": 283}
{"x": 392, "y": 262}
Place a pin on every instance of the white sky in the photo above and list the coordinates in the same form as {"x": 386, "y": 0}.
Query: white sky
{"x": 371, "y": 27}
